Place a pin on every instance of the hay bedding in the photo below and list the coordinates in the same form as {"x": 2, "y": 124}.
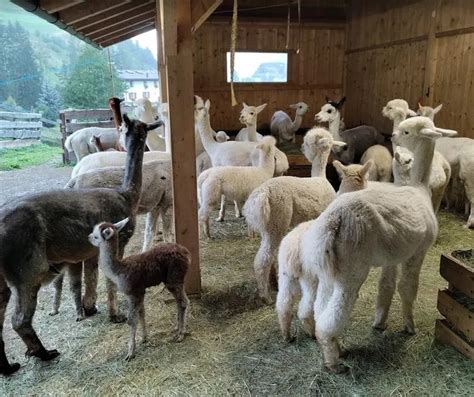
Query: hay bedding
{"x": 234, "y": 346}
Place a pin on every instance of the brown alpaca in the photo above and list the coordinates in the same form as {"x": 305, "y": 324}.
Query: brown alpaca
{"x": 165, "y": 263}
{"x": 114, "y": 106}
{"x": 40, "y": 232}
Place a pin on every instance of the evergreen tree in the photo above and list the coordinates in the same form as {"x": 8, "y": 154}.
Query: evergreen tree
{"x": 49, "y": 102}
{"x": 3, "y": 64}
{"x": 142, "y": 58}
{"x": 90, "y": 83}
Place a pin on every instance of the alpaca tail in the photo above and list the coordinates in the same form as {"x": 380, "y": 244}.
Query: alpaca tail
{"x": 71, "y": 184}
{"x": 67, "y": 143}
{"x": 257, "y": 209}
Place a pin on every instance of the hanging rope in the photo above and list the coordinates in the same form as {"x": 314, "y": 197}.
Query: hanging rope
{"x": 288, "y": 26}
{"x": 299, "y": 27}
{"x": 233, "y": 42}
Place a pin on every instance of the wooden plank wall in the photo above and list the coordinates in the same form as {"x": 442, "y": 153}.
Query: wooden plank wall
{"x": 313, "y": 73}
{"x": 392, "y": 53}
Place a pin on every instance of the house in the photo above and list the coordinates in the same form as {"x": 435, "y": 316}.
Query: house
{"x": 141, "y": 84}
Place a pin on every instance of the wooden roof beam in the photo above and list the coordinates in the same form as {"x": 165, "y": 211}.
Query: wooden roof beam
{"x": 124, "y": 26}
{"x": 126, "y": 35}
{"x": 201, "y": 11}
{"x": 149, "y": 10}
{"x": 89, "y": 9}
{"x": 101, "y": 20}
{"x": 52, "y": 6}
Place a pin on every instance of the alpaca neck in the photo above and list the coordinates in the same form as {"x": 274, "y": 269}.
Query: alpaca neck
{"x": 334, "y": 126}
{"x": 132, "y": 182}
{"x": 207, "y": 134}
{"x": 296, "y": 124}
{"x": 422, "y": 159}
{"x": 318, "y": 166}
{"x": 108, "y": 258}
{"x": 252, "y": 132}
{"x": 116, "y": 114}
{"x": 267, "y": 161}
{"x": 397, "y": 120}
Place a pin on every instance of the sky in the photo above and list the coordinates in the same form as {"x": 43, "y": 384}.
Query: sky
{"x": 147, "y": 40}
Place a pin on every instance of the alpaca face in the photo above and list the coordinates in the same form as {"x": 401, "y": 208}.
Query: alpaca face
{"x": 201, "y": 108}
{"x": 395, "y": 108}
{"x": 248, "y": 114}
{"x": 404, "y": 158}
{"x": 316, "y": 141}
{"x": 221, "y": 136}
{"x": 327, "y": 114}
{"x": 300, "y": 107}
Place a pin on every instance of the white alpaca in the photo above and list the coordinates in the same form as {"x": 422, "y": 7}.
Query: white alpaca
{"x": 292, "y": 278}
{"x": 382, "y": 159}
{"x": 358, "y": 139}
{"x": 248, "y": 116}
{"x": 385, "y": 225}
{"x": 283, "y": 202}
{"x": 234, "y": 182}
{"x": 428, "y": 111}
{"x": 466, "y": 175}
{"x": 144, "y": 112}
{"x": 80, "y": 142}
{"x": 397, "y": 110}
{"x": 281, "y": 125}
{"x": 203, "y": 161}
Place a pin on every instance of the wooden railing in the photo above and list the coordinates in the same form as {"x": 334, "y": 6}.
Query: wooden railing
{"x": 18, "y": 129}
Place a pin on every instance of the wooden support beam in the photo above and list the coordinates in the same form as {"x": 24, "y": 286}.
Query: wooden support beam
{"x": 161, "y": 56}
{"x": 434, "y": 8}
{"x": 52, "y": 6}
{"x": 201, "y": 11}
{"x": 178, "y": 49}
{"x": 89, "y": 9}
{"x": 108, "y": 41}
{"x": 124, "y": 26}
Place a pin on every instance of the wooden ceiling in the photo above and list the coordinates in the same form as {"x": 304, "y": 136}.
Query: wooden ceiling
{"x": 106, "y": 22}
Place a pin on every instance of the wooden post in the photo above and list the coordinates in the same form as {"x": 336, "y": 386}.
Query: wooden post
{"x": 161, "y": 56}
{"x": 178, "y": 58}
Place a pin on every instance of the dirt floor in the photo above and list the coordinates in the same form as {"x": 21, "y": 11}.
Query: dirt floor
{"x": 234, "y": 346}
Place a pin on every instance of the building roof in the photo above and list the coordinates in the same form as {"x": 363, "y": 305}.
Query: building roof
{"x": 138, "y": 75}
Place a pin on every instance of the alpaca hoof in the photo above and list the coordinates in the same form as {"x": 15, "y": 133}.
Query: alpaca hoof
{"x": 220, "y": 219}
{"x": 344, "y": 353}
{"x": 338, "y": 368}
{"x": 289, "y": 338}
{"x": 117, "y": 318}
{"x": 89, "y": 311}
{"x": 9, "y": 369}
{"x": 79, "y": 318}
{"x": 409, "y": 330}
{"x": 178, "y": 338}
{"x": 44, "y": 355}
{"x": 54, "y": 312}
{"x": 379, "y": 326}
{"x": 130, "y": 356}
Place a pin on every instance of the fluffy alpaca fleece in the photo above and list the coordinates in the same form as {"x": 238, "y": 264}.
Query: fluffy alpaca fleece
{"x": 439, "y": 177}
{"x": 281, "y": 125}
{"x": 283, "y": 202}
{"x": 385, "y": 225}
{"x": 397, "y": 110}
{"x": 166, "y": 263}
{"x": 293, "y": 278}
{"x": 466, "y": 174}
{"x": 144, "y": 112}
{"x": 203, "y": 161}
{"x": 382, "y": 159}
{"x": 235, "y": 183}
{"x": 248, "y": 116}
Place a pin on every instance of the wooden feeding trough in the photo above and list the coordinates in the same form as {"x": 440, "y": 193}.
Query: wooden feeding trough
{"x": 456, "y": 304}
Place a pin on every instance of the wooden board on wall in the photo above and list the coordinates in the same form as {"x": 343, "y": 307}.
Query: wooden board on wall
{"x": 315, "y": 72}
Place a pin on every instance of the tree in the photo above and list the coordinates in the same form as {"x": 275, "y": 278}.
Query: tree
{"x": 91, "y": 82}
{"x": 49, "y": 102}
{"x": 142, "y": 58}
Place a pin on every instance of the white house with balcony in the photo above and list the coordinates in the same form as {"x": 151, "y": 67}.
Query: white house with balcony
{"x": 141, "y": 84}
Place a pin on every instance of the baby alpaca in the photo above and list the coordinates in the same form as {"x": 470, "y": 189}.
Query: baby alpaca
{"x": 248, "y": 116}
{"x": 166, "y": 263}
{"x": 281, "y": 125}
{"x": 293, "y": 279}
{"x": 428, "y": 111}
{"x": 380, "y": 155}
{"x": 235, "y": 183}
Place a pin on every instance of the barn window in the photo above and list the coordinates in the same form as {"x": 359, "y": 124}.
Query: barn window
{"x": 259, "y": 67}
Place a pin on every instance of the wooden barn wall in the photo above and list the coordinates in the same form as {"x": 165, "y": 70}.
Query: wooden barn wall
{"x": 313, "y": 73}
{"x": 410, "y": 49}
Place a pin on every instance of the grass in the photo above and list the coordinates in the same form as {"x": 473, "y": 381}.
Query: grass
{"x": 14, "y": 159}
{"x": 234, "y": 346}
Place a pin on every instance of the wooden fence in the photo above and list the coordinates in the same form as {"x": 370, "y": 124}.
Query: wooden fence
{"x": 19, "y": 129}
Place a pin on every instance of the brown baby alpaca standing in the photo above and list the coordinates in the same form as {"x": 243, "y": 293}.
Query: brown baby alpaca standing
{"x": 165, "y": 263}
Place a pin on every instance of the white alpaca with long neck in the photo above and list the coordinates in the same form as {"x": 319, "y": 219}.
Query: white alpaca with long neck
{"x": 283, "y": 202}
{"x": 397, "y": 110}
{"x": 385, "y": 225}
{"x": 248, "y": 116}
{"x": 281, "y": 125}
{"x": 144, "y": 112}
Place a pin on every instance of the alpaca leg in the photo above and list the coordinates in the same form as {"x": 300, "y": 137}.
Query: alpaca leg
{"x": 5, "y": 367}
{"x": 263, "y": 263}
{"x": 167, "y": 222}
{"x": 150, "y": 227}
{"x": 114, "y": 315}
{"x": 91, "y": 278}
{"x": 143, "y": 323}
{"x": 75, "y": 284}
{"x": 387, "y": 284}
{"x": 134, "y": 305}
{"x": 237, "y": 207}
{"x": 26, "y": 299}
{"x": 58, "y": 289}
{"x": 287, "y": 290}
{"x": 306, "y": 306}
{"x": 408, "y": 289}
{"x": 203, "y": 215}
{"x": 436, "y": 199}
{"x": 221, "y": 216}
{"x": 182, "y": 303}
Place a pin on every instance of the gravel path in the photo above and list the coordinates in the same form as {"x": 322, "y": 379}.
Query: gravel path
{"x": 32, "y": 180}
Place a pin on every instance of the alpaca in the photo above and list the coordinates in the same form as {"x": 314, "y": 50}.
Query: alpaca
{"x": 292, "y": 278}
{"x": 466, "y": 175}
{"x": 144, "y": 112}
{"x": 283, "y": 202}
{"x": 428, "y": 111}
{"x": 97, "y": 143}
{"x": 439, "y": 176}
{"x": 384, "y": 225}
{"x": 358, "y": 139}
{"x": 281, "y": 125}
{"x": 234, "y": 182}
{"x": 35, "y": 239}
{"x": 397, "y": 110}
{"x": 165, "y": 263}
{"x": 248, "y": 116}
{"x": 80, "y": 141}
{"x": 203, "y": 161}
{"x": 382, "y": 170}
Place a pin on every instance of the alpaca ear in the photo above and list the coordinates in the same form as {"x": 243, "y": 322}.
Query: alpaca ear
{"x": 120, "y": 225}
{"x": 339, "y": 144}
{"x": 420, "y": 107}
{"x": 428, "y": 133}
{"x": 245, "y": 105}
{"x": 107, "y": 233}
{"x": 324, "y": 141}
{"x": 437, "y": 108}
{"x": 412, "y": 113}
{"x": 366, "y": 168}
{"x": 154, "y": 125}
{"x": 341, "y": 102}
{"x": 397, "y": 156}
{"x": 198, "y": 100}
{"x": 294, "y": 106}
{"x": 445, "y": 132}
{"x": 327, "y": 99}
{"x": 261, "y": 107}
{"x": 121, "y": 100}
{"x": 207, "y": 104}
{"x": 341, "y": 169}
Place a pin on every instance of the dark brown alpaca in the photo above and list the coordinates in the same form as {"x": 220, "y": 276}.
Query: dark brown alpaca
{"x": 114, "y": 106}
{"x": 165, "y": 263}
{"x": 39, "y": 232}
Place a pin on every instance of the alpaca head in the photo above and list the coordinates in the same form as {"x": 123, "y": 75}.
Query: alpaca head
{"x": 137, "y": 130}
{"x": 353, "y": 177}
{"x": 143, "y": 107}
{"x": 221, "y": 136}
{"x": 330, "y": 111}
{"x": 300, "y": 107}
{"x": 266, "y": 144}
{"x": 163, "y": 111}
{"x": 104, "y": 231}
{"x": 317, "y": 141}
{"x": 396, "y": 109}
{"x": 201, "y": 108}
{"x": 428, "y": 111}
{"x": 404, "y": 159}
{"x": 248, "y": 114}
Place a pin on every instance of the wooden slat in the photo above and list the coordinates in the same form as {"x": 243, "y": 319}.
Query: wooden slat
{"x": 457, "y": 315}
{"x": 73, "y": 127}
{"x": 103, "y": 114}
{"x": 53, "y": 6}
{"x": 462, "y": 278}
{"x": 176, "y": 17}
{"x": 89, "y": 9}
{"x": 128, "y": 35}
{"x": 7, "y": 124}
{"x": 201, "y": 11}
{"x": 445, "y": 335}
{"x": 18, "y": 115}
{"x": 124, "y": 27}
